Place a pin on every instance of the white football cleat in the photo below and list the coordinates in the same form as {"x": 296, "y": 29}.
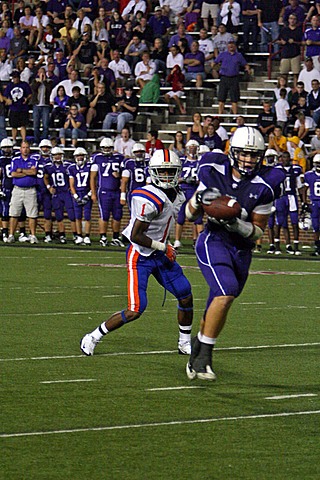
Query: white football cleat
{"x": 87, "y": 241}
{"x": 10, "y": 239}
{"x": 33, "y": 239}
{"x": 191, "y": 374}
{"x": 47, "y": 239}
{"x": 116, "y": 242}
{"x": 78, "y": 240}
{"x": 177, "y": 244}
{"x": 103, "y": 242}
{"x": 207, "y": 374}
{"x": 88, "y": 344}
{"x": 184, "y": 348}
{"x": 24, "y": 238}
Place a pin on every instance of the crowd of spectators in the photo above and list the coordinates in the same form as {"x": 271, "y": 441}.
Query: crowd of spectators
{"x": 87, "y": 43}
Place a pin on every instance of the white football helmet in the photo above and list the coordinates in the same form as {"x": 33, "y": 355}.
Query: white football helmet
{"x": 305, "y": 222}
{"x": 164, "y": 169}
{"x": 203, "y": 149}
{"x": 192, "y": 149}
{"x": 107, "y": 146}
{"x": 271, "y": 157}
{"x": 139, "y": 152}
{"x": 316, "y": 163}
{"x": 80, "y": 156}
{"x": 57, "y": 155}
{"x": 45, "y": 147}
{"x": 246, "y": 150}
{"x": 6, "y": 146}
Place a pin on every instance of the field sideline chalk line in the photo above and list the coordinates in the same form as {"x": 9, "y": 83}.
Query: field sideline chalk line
{"x": 159, "y": 424}
{"x": 70, "y": 381}
{"x": 160, "y": 352}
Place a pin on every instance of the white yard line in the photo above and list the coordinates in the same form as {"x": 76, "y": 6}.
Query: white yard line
{"x": 160, "y": 424}
{"x": 71, "y": 381}
{"x": 170, "y": 388}
{"x": 281, "y": 397}
{"x": 160, "y": 352}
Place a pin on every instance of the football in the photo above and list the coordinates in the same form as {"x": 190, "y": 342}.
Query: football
{"x": 223, "y": 208}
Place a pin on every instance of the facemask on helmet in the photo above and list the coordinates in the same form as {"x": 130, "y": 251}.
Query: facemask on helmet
{"x": 6, "y": 147}
{"x": 247, "y": 151}
{"x": 192, "y": 149}
{"x": 165, "y": 169}
{"x": 80, "y": 156}
{"x": 138, "y": 152}
{"x": 107, "y": 146}
{"x": 45, "y": 147}
{"x": 316, "y": 163}
{"x": 57, "y": 155}
{"x": 271, "y": 157}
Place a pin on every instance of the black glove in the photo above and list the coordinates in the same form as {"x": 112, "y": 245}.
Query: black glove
{"x": 304, "y": 208}
{"x": 79, "y": 201}
{"x": 2, "y": 195}
{"x": 207, "y": 196}
{"x": 85, "y": 199}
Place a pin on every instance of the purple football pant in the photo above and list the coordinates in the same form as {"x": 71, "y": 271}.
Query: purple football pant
{"x": 61, "y": 201}
{"x": 109, "y": 203}
{"x": 315, "y": 215}
{"x": 224, "y": 267}
{"x": 283, "y": 209}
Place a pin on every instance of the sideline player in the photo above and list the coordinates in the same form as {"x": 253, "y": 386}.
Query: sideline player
{"x": 224, "y": 248}
{"x": 312, "y": 181}
{"x": 153, "y": 209}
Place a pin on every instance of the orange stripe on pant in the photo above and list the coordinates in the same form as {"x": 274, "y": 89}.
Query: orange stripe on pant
{"x": 133, "y": 281}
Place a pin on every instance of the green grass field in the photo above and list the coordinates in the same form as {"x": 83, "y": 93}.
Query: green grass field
{"x": 129, "y": 412}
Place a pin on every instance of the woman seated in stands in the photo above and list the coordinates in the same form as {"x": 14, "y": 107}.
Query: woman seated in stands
{"x": 179, "y": 145}
{"x": 195, "y": 132}
{"x": 282, "y": 83}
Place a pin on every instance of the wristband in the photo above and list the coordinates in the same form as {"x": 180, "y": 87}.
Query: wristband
{"x": 158, "y": 246}
{"x": 48, "y": 187}
{"x": 193, "y": 201}
{"x": 75, "y": 196}
{"x": 123, "y": 196}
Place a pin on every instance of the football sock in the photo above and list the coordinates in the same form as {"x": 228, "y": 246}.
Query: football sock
{"x": 185, "y": 333}
{"x": 22, "y": 230}
{"x": 99, "y": 332}
{"x": 296, "y": 244}
{"x": 5, "y": 231}
{"x": 115, "y": 235}
{"x": 206, "y": 340}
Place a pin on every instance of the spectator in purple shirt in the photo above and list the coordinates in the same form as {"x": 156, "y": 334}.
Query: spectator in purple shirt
{"x": 159, "y": 23}
{"x": 230, "y": 63}
{"x": 194, "y": 63}
{"x": 311, "y": 39}
{"x": 295, "y": 8}
{"x": 181, "y": 34}
{"x": 18, "y": 94}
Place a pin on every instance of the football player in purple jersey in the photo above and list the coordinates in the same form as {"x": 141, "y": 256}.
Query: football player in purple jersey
{"x": 6, "y": 186}
{"x": 134, "y": 174}
{"x": 312, "y": 182}
{"x": 287, "y": 205}
{"x": 79, "y": 178}
{"x": 188, "y": 183}
{"x": 43, "y": 195}
{"x": 56, "y": 179}
{"x": 224, "y": 248}
{"x": 105, "y": 188}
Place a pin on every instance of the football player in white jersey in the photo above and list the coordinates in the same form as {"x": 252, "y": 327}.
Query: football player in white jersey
{"x": 154, "y": 208}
